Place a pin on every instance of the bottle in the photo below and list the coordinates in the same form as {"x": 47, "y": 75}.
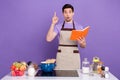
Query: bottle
{"x": 95, "y": 63}
{"x": 103, "y": 72}
{"x": 99, "y": 70}
{"x": 31, "y": 70}
{"x": 106, "y": 72}
{"x": 85, "y": 66}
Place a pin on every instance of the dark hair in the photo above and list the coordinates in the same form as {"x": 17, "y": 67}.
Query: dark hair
{"x": 67, "y": 6}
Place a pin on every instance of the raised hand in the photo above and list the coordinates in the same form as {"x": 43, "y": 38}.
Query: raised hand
{"x": 55, "y": 18}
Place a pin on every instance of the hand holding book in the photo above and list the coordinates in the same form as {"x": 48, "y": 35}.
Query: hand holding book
{"x": 82, "y": 42}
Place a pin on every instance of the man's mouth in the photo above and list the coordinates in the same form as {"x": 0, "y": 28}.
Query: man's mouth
{"x": 67, "y": 17}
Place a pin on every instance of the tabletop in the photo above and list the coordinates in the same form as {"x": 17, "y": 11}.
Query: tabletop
{"x": 91, "y": 76}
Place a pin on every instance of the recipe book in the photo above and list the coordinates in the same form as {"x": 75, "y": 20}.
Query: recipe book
{"x": 79, "y": 33}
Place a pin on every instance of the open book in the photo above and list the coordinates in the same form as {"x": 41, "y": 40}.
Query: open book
{"x": 79, "y": 33}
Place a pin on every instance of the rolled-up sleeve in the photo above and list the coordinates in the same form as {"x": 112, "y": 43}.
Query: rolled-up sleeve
{"x": 57, "y": 29}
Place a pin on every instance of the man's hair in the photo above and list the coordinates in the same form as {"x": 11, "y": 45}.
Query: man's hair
{"x": 67, "y": 6}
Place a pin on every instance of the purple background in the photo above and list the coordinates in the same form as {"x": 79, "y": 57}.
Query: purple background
{"x": 24, "y": 25}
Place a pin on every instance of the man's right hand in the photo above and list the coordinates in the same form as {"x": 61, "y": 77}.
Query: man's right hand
{"x": 54, "y": 19}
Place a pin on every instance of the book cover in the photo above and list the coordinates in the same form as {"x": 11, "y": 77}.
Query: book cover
{"x": 79, "y": 33}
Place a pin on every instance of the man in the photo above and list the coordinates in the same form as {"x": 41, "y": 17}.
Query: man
{"x": 68, "y": 56}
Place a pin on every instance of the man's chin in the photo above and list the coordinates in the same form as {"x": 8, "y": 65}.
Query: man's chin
{"x": 68, "y": 20}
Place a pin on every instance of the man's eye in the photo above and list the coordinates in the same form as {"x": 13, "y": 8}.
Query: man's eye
{"x": 65, "y": 12}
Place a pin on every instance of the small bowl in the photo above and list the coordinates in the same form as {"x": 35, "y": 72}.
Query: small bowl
{"x": 47, "y": 67}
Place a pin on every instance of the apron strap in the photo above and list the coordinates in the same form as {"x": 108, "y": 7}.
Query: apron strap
{"x": 63, "y": 25}
{"x": 68, "y": 28}
{"x": 73, "y": 25}
{"x": 74, "y": 51}
{"x": 68, "y": 45}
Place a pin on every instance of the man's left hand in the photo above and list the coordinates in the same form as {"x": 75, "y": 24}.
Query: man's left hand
{"x": 82, "y": 42}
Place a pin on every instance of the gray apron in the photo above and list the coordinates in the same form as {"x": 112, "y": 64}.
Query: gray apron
{"x": 68, "y": 56}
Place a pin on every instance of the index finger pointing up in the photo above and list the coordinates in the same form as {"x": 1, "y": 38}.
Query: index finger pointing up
{"x": 54, "y": 13}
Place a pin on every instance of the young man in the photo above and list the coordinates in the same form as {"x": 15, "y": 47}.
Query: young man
{"x": 68, "y": 56}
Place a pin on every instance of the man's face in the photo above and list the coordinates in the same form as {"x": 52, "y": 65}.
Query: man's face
{"x": 68, "y": 14}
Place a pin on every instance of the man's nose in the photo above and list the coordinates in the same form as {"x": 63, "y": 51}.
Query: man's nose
{"x": 67, "y": 15}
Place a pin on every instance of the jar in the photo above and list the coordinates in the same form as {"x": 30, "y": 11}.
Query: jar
{"x": 85, "y": 66}
{"x": 31, "y": 70}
